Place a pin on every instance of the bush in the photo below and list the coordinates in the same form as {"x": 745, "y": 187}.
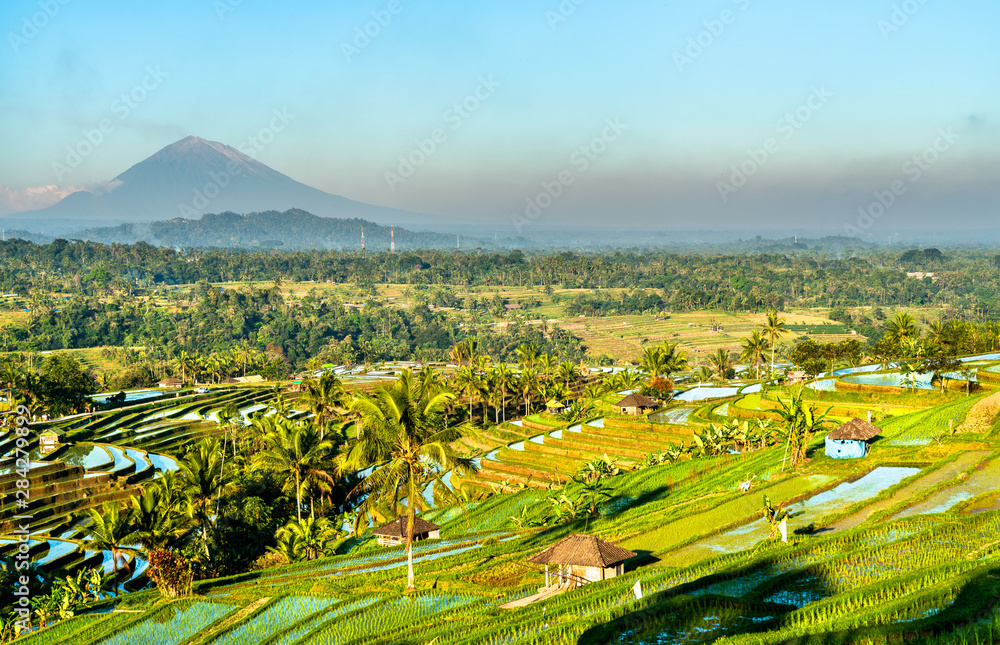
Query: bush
{"x": 171, "y": 573}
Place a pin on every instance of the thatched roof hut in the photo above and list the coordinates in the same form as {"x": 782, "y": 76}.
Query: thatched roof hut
{"x": 636, "y": 403}
{"x": 554, "y": 406}
{"x": 394, "y": 532}
{"x": 583, "y": 558}
{"x": 850, "y": 440}
{"x": 855, "y": 430}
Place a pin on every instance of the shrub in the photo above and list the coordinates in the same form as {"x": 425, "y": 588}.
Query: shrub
{"x": 171, "y": 573}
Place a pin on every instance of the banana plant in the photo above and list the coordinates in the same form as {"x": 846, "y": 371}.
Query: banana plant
{"x": 774, "y": 515}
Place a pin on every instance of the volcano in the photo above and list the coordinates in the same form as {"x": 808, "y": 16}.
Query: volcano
{"x": 192, "y": 177}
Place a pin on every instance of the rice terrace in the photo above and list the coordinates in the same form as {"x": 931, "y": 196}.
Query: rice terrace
{"x": 491, "y": 474}
{"x": 535, "y": 322}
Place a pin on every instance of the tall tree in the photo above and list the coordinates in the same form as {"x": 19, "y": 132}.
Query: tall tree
{"x": 800, "y": 420}
{"x": 403, "y": 434}
{"x": 324, "y": 397}
{"x": 204, "y": 480}
{"x": 111, "y": 529}
{"x": 774, "y": 328}
{"x": 527, "y": 354}
{"x": 505, "y": 382}
{"x": 901, "y": 328}
{"x": 467, "y": 379}
{"x": 652, "y": 361}
{"x": 753, "y": 349}
{"x": 296, "y": 450}
{"x": 527, "y": 382}
{"x": 547, "y": 364}
{"x": 721, "y": 362}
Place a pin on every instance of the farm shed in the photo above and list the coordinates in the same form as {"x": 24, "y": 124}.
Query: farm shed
{"x": 582, "y": 559}
{"x": 636, "y": 404}
{"x": 48, "y": 441}
{"x": 851, "y": 440}
{"x": 171, "y": 383}
{"x": 394, "y": 533}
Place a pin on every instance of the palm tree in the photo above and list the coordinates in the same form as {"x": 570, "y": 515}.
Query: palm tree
{"x": 297, "y": 450}
{"x": 465, "y": 350}
{"x": 555, "y": 390}
{"x": 403, "y": 431}
{"x": 504, "y": 381}
{"x": 672, "y": 361}
{"x": 111, "y": 529}
{"x": 158, "y": 522}
{"x": 652, "y": 361}
{"x": 186, "y": 362}
{"x": 467, "y": 379}
{"x": 243, "y": 352}
{"x": 901, "y": 328}
{"x": 310, "y": 537}
{"x": 323, "y": 398}
{"x": 722, "y": 363}
{"x": 568, "y": 372}
{"x": 482, "y": 366}
{"x": 753, "y": 350}
{"x": 10, "y": 374}
{"x": 774, "y": 329}
{"x": 627, "y": 378}
{"x": 203, "y": 478}
{"x": 527, "y": 383}
{"x": 547, "y": 363}
{"x": 801, "y": 421}
{"x": 527, "y": 354}
{"x": 595, "y": 391}
{"x": 287, "y": 546}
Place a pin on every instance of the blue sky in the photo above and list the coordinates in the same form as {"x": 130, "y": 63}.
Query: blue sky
{"x": 698, "y": 90}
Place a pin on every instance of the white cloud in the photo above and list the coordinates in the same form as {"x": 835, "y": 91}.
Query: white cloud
{"x": 15, "y": 200}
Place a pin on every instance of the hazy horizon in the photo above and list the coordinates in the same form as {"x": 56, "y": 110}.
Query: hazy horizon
{"x": 642, "y": 114}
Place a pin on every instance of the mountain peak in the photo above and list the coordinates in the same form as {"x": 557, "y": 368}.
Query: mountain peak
{"x": 194, "y": 176}
{"x": 192, "y": 146}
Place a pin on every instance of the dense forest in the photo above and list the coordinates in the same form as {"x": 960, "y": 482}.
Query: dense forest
{"x": 292, "y": 333}
{"x": 84, "y": 294}
{"x": 967, "y": 280}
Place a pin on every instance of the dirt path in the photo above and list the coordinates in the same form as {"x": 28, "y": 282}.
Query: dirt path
{"x": 949, "y": 471}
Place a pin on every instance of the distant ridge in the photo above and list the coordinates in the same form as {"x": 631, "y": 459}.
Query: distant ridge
{"x": 193, "y": 176}
{"x": 294, "y": 229}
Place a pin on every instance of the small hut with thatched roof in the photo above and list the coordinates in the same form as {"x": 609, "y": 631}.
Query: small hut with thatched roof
{"x": 636, "y": 404}
{"x": 581, "y": 559}
{"x": 394, "y": 533}
{"x": 554, "y": 406}
{"x": 851, "y": 440}
{"x": 48, "y": 441}
{"x": 171, "y": 383}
